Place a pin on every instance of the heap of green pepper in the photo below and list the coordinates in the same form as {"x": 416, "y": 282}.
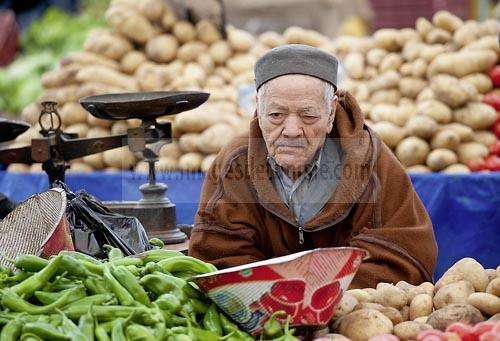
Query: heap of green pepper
{"x": 73, "y": 296}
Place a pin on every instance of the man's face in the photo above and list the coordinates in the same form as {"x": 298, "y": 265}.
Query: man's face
{"x": 295, "y": 118}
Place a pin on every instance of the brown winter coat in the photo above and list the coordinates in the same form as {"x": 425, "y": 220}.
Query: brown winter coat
{"x": 241, "y": 218}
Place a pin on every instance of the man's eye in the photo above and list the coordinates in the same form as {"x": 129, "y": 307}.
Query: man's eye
{"x": 275, "y": 115}
{"x": 309, "y": 118}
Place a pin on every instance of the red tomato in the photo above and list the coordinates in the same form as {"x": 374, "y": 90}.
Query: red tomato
{"x": 482, "y": 327}
{"x": 493, "y": 100}
{"x": 495, "y": 148}
{"x": 496, "y": 128}
{"x": 431, "y": 335}
{"x": 493, "y": 163}
{"x": 495, "y": 76}
{"x": 490, "y": 336}
{"x": 477, "y": 165}
{"x": 462, "y": 330}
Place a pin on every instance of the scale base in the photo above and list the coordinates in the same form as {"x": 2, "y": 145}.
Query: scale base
{"x": 158, "y": 219}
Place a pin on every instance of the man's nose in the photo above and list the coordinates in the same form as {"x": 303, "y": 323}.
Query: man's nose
{"x": 293, "y": 126}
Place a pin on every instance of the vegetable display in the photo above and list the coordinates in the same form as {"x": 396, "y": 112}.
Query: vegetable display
{"x": 73, "y": 296}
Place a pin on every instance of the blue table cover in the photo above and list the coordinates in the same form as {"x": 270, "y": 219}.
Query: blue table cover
{"x": 464, "y": 208}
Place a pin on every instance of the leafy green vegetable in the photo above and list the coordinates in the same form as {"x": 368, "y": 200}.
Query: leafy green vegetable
{"x": 43, "y": 43}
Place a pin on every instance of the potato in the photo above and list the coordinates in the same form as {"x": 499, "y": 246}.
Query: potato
{"x": 462, "y": 63}
{"x": 190, "y": 162}
{"x": 464, "y": 313}
{"x": 423, "y": 26}
{"x": 429, "y": 52}
{"x": 465, "y": 269}
{"x": 391, "y": 61}
{"x": 446, "y": 21}
{"x": 167, "y": 164}
{"x": 67, "y": 93}
{"x": 220, "y": 51}
{"x": 494, "y": 318}
{"x": 411, "y": 87}
{"x": 36, "y": 168}
{"x": 368, "y": 305}
{"x": 79, "y": 128}
{"x": 72, "y": 113}
{"x": 419, "y": 68}
{"x": 361, "y": 325}
{"x": 441, "y": 158}
{"x": 375, "y": 56}
{"x": 97, "y": 132}
{"x": 391, "y": 296}
{"x": 456, "y": 168}
{"x": 87, "y": 58}
{"x": 390, "y": 133}
{"x": 96, "y": 88}
{"x": 360, "y": 295}
{"x": 130, "y": 24}
{"x": 131, "y": 61}
{"x": 96, "y": 161}
{"x": 107, "y": 44}
{"x": 121, "y": 158}
{"x": 212, "y": 139}
{"x": 453, "y": 293}
{"x": 405, "y": 312}
{"x": 393, "y": 314}
{"x": 476, "y": 115}
{"x": 346, "y": 305}
{"x": 391, "y": 96}
{"x": 207, "y": 162}
{"x": 484, "y": 137}
{"x": 488, "y": 304}
{"x": 465, "y": 34}
{"x": 465, "y": 133}
{"x": 239, "y": 40}
{"x": 141, "y": 167}
{"x": 108, "y": 76}
{"x": 207, "y": 32}
{"x": 437, "y": 110}
{"x": 494, "y": 287}
{"x": 152, "y": 9}
{"x": 18, "y": 168}
{"x": 189, "y": 142}
{"x": 163, "y": 48}
{"x": 97, "y": 122}
{"x": 411, "y": 51}
{"x": 450, "y": 90}
{"x": 168, "y": 19}
{"x": 386, "y": 80}
{"x": 63, "y": 76}
{"x": 471, "y": 150}
{"x": 487, "y": 43}
{"x": 438, "y": 36}
{"x": 79, "y": 167}
{"x": 421, "y": 305}
{"x": 171, "y": 150}
{"x": 407, "y": 330}
{"x": 271, "y": 39}
{"x": 240, "y": 63}
{"x": 421, "y": 126}
{"x": 412, "y": 151}
{"x": 426, "y": 94}
{"x": 184, "y": 31}
{"x": 481, "y": 82}
{"x": 418, "y": 169}
{"x": 387, "y": 39}
{"x": 447, "y": 138}
{"x": 355, "y": 65}
{"x": 190, "y": 51}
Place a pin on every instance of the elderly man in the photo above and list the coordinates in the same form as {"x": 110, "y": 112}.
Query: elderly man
{"x": 311, "y": 174}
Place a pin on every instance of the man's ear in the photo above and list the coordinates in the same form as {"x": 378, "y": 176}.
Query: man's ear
{"x": 331, "y": 117}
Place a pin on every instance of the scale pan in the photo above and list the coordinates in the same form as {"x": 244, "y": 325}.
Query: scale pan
{"x": 142, "y": 105}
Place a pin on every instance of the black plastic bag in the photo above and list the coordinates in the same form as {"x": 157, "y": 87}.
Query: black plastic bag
{"x": 92, "y": 225}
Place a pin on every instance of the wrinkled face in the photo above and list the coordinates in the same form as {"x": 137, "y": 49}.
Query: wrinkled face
{"x": 295, "y": 116}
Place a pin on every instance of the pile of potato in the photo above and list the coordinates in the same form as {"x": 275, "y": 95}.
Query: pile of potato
{"x": 466, "y": 293}
{"x": 420, "y": 89}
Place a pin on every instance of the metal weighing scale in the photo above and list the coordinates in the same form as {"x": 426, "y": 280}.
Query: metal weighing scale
{"x": 155, "y": 211}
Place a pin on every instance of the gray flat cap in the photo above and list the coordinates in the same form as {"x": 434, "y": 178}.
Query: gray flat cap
{"x": 296, "y": 59}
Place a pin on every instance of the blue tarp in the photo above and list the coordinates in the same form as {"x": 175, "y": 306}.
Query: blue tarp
{"x": 465, "y": 209}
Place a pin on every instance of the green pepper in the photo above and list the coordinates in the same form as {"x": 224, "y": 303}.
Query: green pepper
{"x": 157, "y": 284}
{"x": 130, "y": 282}
{"x": 100, "y": 333}
{"x": 110, "y": 312}
{"x": 5, "y": 270}
{"x": 229, "y": 327}
{"x": 18, "y": 277}
{"x": 127, "y": 261}
{"x": 45, "y": 331}
{"x": 169, "y": 302}
{"x": 272, "y": 327}
{"x": 160, "y": 331}
{"x": 13, "y": 302}
{"x": 71, "y": 329}
{"x": 30, "y": 337}
{"x": 98, "y": 299}
{"x": 38, "y": 280}
{"x": 117, "y": 333}
{"x": 182, "y": 337}
{"x": 95, "y": 286}
{"x": 161, "y": 254}
{"x": 74, "y": 267}
{"x": 12, "y": 330}
{"x": 47, "y": 298}
{"x": 150, "y": 268}
{"x": 157, "y": 242}
{"x": 124, "y": 297}
{"x": 115, "y": 253}
{"x": 136, "y": 332}
{"x": 30, "y": 263}
{"x": 134, "y": 270}
{"x": 199, "y": 307}
{"x": 211, "y": 320}
{"x": 86, "y": 325}
{"x": 186, "y": 263}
